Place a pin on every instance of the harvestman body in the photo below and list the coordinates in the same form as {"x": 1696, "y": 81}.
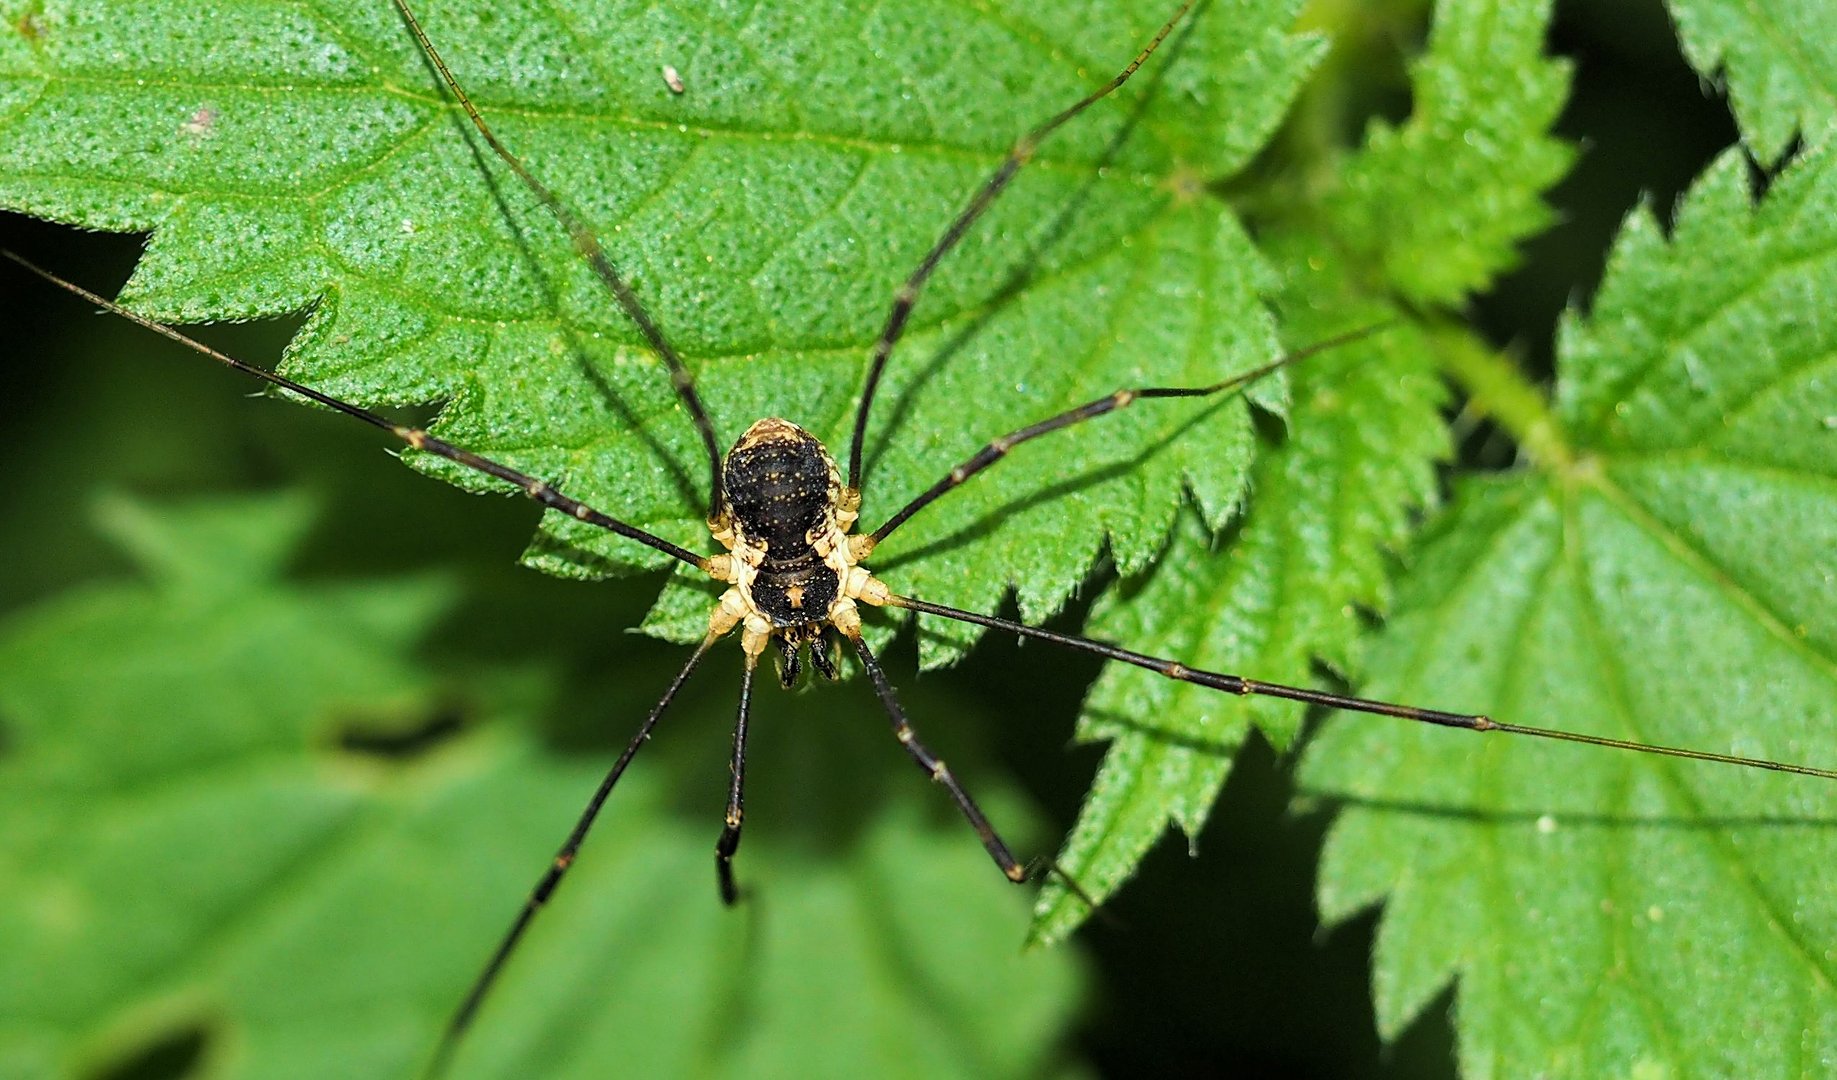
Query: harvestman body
{"x": 781, "y": 509}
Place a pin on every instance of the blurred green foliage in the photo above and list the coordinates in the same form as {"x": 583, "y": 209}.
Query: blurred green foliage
{"x": 276, "y": 768}
{"x": 320, "y": 883}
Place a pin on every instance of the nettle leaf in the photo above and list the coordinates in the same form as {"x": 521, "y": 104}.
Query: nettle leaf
{"x": 1779, "y": 59}
{"x": 1275, "y": 593}
{"x": 1433, "y": 210}
{"x": 1664, "y": 575}
{"x": 192, "y": 847}
{"x": 287, "y": 155}
{"x": 1440, "y": 202}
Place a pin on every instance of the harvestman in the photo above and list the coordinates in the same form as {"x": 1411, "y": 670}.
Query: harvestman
{"x": 794, "y": 567}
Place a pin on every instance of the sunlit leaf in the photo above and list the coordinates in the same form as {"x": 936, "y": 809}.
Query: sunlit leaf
{"x": 285, "y": 155}
{"x": 1668, "y": 579}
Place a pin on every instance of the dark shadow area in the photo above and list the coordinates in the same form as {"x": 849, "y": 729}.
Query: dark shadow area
{"x": 1215, "y": 965}
{"x": 170, "y": 1056}
{"x": 388, "y": 739}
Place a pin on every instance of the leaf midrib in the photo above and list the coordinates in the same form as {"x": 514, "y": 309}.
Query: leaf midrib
{"x": 1710, "y": 571}
{"x": 1665, "y": 770}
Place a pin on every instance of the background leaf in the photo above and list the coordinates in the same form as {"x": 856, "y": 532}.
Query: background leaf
{"x": 307, "y": 903}
{"x": 1778, "y": 60}
{"x": 1439, "y": 202}
{"x": 1668, "y": 580}
{"x": 1285, "y": 589}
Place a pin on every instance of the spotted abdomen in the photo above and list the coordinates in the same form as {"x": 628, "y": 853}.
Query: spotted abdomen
{"x": 781, "y": 490}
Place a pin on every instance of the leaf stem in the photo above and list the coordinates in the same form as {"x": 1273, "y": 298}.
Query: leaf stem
{"x": 1497, "y": 388}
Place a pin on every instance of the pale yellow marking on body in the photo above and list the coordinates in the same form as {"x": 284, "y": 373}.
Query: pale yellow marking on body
{"x": 858, "y": 584}
{"x": 754, "y": 634}
{"x": 844, "y": 616}
{"x": 728, "y": 613}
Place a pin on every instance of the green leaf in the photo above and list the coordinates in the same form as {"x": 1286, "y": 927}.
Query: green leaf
{"x": 1779, "y": 58}
{"x": 1658, "y": 569}
{"x": 1430, "y": 211}
{"x": 1277, "y": 592}
{"x": 190, "y": 846}
{"x": 286, "y": 156}
{"x": 1441, "y": 202}
{"x": 1665, "y": 577}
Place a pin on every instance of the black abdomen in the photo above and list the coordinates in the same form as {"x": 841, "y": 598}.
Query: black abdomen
{"x": 778, "y": 481}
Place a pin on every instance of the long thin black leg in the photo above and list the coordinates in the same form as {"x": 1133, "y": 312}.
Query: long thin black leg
{"x": 934, "y": 767}
{"x": 590, "y": 249}
{"x": 908, "y": 294}
{"x": 558, "y": 868}
{"x": 729, "y": 842}
{"x": 996, "y": 450}
{"x": 415, "y": 437}
{"x": 1237, "y": 684}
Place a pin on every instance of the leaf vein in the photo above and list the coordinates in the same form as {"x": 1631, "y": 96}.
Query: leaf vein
{"x": 1784, "y": 267}
{"x": 1614, "y": 678}
{"x": 1695, "y": 558}
{"x": 1665, "y": 771}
